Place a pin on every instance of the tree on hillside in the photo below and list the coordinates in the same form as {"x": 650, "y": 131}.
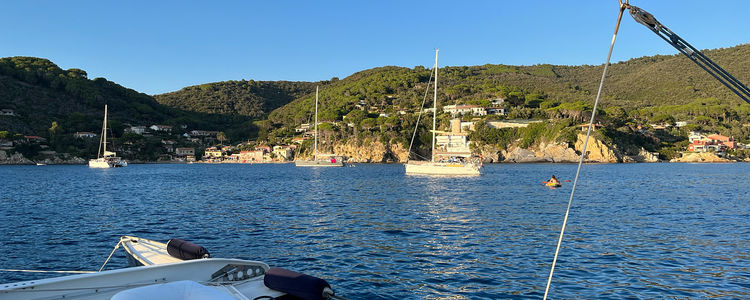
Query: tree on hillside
{"x": 221, "y": 136}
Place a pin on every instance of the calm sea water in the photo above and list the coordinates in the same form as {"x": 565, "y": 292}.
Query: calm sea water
{"x": 635, "y": 230}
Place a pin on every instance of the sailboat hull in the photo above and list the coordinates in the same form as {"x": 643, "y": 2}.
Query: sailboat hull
{"x": 318, "y": 163}
{"x": 103, "y": 163}
{"x": 442, "y": 168}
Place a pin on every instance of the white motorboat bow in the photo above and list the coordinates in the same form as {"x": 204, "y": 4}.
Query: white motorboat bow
{"x": 185, "y": 276}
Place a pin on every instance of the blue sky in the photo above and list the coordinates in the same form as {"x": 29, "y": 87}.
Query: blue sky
{"x": 161, "y": 46}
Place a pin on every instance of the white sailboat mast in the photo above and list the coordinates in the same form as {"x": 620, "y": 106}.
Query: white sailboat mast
{"x": 315, "y": 148}
{"x": 434, "y": 106}
{"x": 104, "y": 134}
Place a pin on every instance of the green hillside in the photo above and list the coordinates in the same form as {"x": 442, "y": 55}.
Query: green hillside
{"x": 41, "y": 92}
{"x": 382, "y": 103}
{"x": 633, "y": 84}
{"x": 246, "y": 98}
{"x": 53, "y": 103}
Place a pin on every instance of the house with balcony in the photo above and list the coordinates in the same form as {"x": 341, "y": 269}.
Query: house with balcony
{"x": 251, "y": 156}
{"x": 184, "y": 152}
{"x": 729, "y": 142}
{"x": 283, "y": 152}
{"x": 33, "y": 139}
{"x": 136, "y": 129}
{"x": 302, "y": 128}
{"x": 203, "y": 133}
{"x": 264, "y": 148}
{"x": 84, "y": 134}
{"x": 456, "y": 142}
{"x": 162, "y": 128}
{"x": 495, "y": 111}
{"x": 212, "y": 153}
{"x": 460, "y": 110}
{"x": 714, "y": 142}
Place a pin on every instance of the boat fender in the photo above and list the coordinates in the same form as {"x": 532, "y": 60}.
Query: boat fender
{"x": 186, "y": 250}
{"x": 297, "y": 284}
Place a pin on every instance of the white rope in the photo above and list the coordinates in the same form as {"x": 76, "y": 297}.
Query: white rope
{"x": 110, "y": 255}
{"x": 583, "y": 155}
{"x": 102, "y": 287}
{"x": 416, "y": 126}
{"x": 46, "y": 271}
{"x": 72, "y": 272}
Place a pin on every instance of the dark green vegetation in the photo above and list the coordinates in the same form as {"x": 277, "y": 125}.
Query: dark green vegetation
{"x": 642, "y": 91}
{"x": 246, "y": 98}
{"x": 381, "y": 104}
{"x": 54, "y": 103}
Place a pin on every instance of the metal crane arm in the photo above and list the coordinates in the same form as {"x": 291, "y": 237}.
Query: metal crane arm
{"x": 648, "y": 20}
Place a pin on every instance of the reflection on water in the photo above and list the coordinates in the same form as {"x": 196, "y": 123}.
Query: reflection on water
{"x": 636, "y": 230}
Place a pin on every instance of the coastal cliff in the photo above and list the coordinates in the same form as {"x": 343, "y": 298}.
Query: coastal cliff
{"x": 19, "y": 159}
{"x": 371, "y": 152}
{"x": 14, "y": 159}
{"x": 556, "y": 152}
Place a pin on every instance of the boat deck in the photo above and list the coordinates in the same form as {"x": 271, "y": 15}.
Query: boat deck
{"x": 145, "y": 252}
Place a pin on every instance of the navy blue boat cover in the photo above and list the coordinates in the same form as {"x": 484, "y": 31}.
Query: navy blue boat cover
{"x": 186, "y": 250}
{"x": 296, "y": 284}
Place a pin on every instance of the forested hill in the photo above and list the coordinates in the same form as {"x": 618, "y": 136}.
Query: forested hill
{"x": 246, "y": 98}
{"x": 636, "y": 83}
{"x": 40, "y": 92}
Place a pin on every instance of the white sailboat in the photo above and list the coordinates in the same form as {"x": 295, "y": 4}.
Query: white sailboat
{"x": 104, "y": 158}
{"x": 433, "y": 167}
{"x": 319, "y": 160}
{"x": 161, "y": 275}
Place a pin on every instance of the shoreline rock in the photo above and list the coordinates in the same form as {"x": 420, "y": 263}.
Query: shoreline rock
{"x": 701, "y": 158}
{"x": 19, "y": 159}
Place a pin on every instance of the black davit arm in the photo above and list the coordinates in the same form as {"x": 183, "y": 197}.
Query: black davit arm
{"x": 648, "y": 20}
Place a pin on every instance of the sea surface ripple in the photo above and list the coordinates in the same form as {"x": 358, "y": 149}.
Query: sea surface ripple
{"x": 635, "y": 231}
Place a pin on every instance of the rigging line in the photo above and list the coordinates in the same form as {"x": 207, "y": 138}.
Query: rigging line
{"x": 623, "y": 6}
{"x": 46, "y": 271}
{"x": 110, "y": 255}
{"x": 416, "y": 126}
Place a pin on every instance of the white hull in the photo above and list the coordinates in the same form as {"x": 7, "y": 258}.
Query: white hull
{"x": 318, "y": 163}
{"x": 107, "y": 163}
{"x": 247, "y": 284}
{"x": 442, "y": 168}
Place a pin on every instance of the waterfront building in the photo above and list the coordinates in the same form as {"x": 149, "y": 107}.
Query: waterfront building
{"x": 283, "y": 152}
{"x": 212, "y": 152}
{"x": 183, "y": 152}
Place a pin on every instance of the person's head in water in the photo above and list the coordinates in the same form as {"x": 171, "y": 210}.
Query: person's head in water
{"x": 553, "y": 177}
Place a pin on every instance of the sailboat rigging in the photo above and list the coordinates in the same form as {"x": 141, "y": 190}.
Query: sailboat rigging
{"x": 644, "y": 18}
{"x": 104, "y": 158}
{"x": 330, "y": 161}
{"x": 453, "y": 166}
